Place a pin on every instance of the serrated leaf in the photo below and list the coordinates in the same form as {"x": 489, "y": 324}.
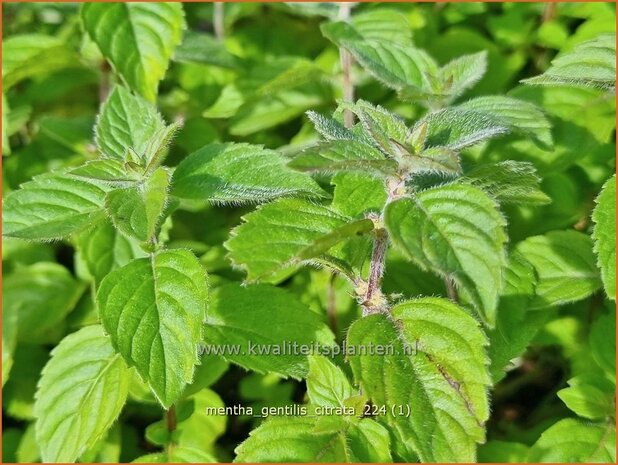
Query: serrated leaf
{"x": 438, "y": 358}
{"x": 105, "y": 249}
{"x": 589, "y": 64}
{"x": 457, "y": 128}
{"x": 239, "y": 173}
{"x": 41, "y": 295}
{"x": 153, "y": 309}
{"x": 327, "y": 385}
{"x": 52, "y": 206}
{"x": 148, "y": 32}
{"x": 137, "y": 211}
{"x": 126, "y": 121}
{"x": 462, "y": 73}
{"x": 565, "y": 266}
{"x": 574, "y": 441}
{"x": 30, "y": 55}
{"x": 385, "y": 128}
{"x": 261, "y": 320}
{"x": 517, "y": 115}
{"x": 588, "y": 398}
{"x": 509, "y": 182}
{"x": 343, "y": 155}
{"x": 287, "y": 232}
{"x": 330, "y": 128}
{"x": 516, "y": 325}
{"x": 455, "y": 231}
{"x": 294, "y": 439}
{"x": 81, "y": 392}
{"x": 604, "y": 235}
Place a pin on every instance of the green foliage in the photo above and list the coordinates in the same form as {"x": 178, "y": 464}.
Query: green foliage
{"x": 152, "y": 308}
{"x": 239, "y": 232}
{"x": 81, "y": 392}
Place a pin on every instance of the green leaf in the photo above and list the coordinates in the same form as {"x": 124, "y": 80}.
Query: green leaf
{"x": 457, "y": 128}
{"x": 565, "y": 266}
{"x": 602, "y": 342}
{"x": 205, "y": 49}
{"x": 153, "y": 309}
{"x": 326, "y": 383}
{"x": 457, "y": 232}
{"x": 104, "y": 249}
{"x": 261, "y": 320}
{"x": 295, "y": 439}
{"x": 288, "y": 232}
{"x": 9, "y": 339}
{"x": 178, "y": 455}
{"x": 436, "y": 367}
{"x": 357, "y": 193}
{"x": 31, "y": 55}
{"x": 126, "y": 121}
{"x": 462, "y": 73}
{"x": 509, "y": 182}
{"x": 516, "y": 115}
{"x": 516, "y": 325}
{"x": 604, "y": 235}
{"x": 502, "y": 452}
{"x": 330, "y": 128}
{"x": 588, "y": 398}
{"x": 574, "y": 441}
{"x": 41, "y": 295}
{"x": 81, "y": 392}
{"x": 343, "y": 155}
{"x": 148, "y": 32}
{"x": 239, "y": 173}
{"x": 107, "y": 171}
{"x": 589, "y": 64}
{"x": 137, "y": 211}
{"x": 52, "y": 206}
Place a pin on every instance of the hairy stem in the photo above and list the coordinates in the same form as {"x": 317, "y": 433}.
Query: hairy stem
{"x": 170, "y": 422}
{"x": 331, "y": 306}
{"x": 346, "y": 69}
{"x": 451, "y": 290}
{"x": 218, "y": 20}
{"x": 374, "y": 300}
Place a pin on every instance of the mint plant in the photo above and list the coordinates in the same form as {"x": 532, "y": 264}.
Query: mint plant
{"x": 373, "y": 286}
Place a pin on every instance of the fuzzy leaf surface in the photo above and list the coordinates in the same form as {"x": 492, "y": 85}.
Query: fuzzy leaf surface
{"x": 153, "y": 309}
{"x": 455, "y": 231}
{"x": 438, "y": 368}
{"x": 604, "y": 235}
{"x": 81, "y": 392}
{"x": 239, "y": 173}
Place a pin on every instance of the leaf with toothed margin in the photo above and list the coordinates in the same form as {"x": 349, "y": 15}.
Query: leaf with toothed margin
{"x": 52, "y": 206}
{"x": 455, "y": 231}
{"x": 575, "y": 441}
{"x": 326, "y": 383}
{"x": 517, "y": 115}
{"x": 239, "y": 173}
{"x": 138, "y": 39}
{"x": 330, "y": 128}
{"x": 509, "y": 182}
{"x": 457, "y": 128}
{"x": 137, "y": 211}
{"x": 107, "y": 171}
{"x": 463, "y": 72}
{"x": 288, "y": 232}
{"x": 589, "y": 64}
{"x": 126, "y": 121}
{"x": 604, "y": 235}
{"x": 343, "y": 155}
{"x": 565, "y": 265}
{"x": 82, "y": 389}
{"x": 267, "y": 317}
{"x": 153, "y": 309}
{"x": 437, "y": 368}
